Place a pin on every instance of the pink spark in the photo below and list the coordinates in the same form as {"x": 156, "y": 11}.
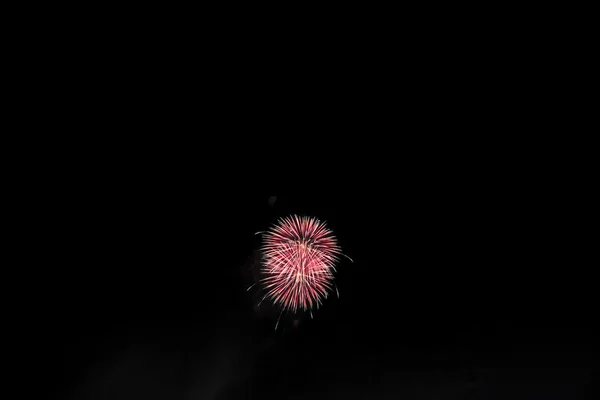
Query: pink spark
{"x": 299, "y": 256}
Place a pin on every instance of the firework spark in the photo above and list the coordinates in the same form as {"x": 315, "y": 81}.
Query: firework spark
{"x": 299, "y": 257}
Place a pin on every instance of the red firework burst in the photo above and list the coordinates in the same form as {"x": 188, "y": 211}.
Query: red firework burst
{"x": 299, "y": 256}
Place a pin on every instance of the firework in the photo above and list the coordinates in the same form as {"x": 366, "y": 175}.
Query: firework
{"x": 299, "y": 257}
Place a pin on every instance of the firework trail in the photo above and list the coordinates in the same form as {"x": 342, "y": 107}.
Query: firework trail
{"x": 299, "y": 256}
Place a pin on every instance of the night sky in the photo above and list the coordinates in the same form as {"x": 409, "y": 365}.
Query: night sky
{"x": 454, "y": 293}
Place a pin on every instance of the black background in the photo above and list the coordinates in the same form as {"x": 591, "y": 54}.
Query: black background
{"x": 460, "y": 290}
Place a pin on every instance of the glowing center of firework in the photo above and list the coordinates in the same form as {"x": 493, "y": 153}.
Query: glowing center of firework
{"x": 299, "y": 255}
